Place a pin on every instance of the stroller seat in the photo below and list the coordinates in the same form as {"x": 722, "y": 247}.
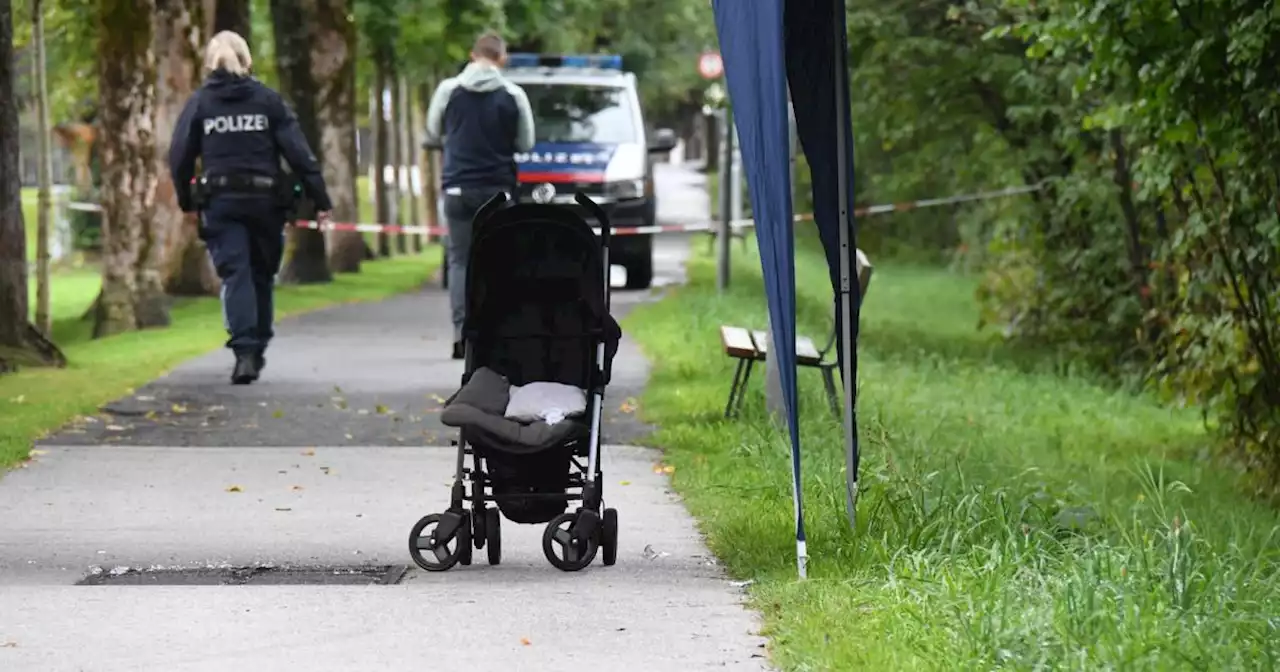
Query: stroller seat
{"x": 523, "y": 458}
{"x": 479, "y": 408}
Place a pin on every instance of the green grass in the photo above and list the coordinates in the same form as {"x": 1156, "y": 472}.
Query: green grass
{"x": 36, "y": 401}
{"x": 1011, "y": 516}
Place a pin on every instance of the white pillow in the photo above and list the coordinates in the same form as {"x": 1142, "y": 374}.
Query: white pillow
{"x": 550, "y": 402}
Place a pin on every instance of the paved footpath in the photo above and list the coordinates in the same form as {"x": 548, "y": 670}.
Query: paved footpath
{"x": 326, "y": 463}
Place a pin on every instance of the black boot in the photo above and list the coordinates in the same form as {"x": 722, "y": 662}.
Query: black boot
{"x": 259, "y": 361}
{"x": 246, "y": 370}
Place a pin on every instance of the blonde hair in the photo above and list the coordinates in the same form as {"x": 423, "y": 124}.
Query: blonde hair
{"x": 228, "y": 51}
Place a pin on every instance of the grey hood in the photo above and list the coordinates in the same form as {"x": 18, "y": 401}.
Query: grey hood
{"x": 481, "y": 77}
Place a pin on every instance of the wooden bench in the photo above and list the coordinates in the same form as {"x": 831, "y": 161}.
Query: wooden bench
{"x": 751, "y": 346}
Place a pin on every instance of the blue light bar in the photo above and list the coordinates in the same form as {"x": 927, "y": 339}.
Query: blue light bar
{"x": 600, "y": 61}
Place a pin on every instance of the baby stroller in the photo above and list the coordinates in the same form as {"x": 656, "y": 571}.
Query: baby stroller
{"x": 537, "y": 315}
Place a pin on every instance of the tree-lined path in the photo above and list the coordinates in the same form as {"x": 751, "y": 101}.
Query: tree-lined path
{"x": 327, "y": 462}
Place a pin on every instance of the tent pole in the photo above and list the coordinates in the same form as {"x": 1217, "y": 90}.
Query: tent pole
{"x": 847, "y": 241}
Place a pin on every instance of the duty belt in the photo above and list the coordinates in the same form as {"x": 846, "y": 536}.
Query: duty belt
{"x": 238, "y": 182}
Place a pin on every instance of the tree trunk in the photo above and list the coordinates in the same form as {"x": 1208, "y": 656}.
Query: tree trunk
{"x": 43, "y": 319}
{"x": 133, "y": 245}
{"x": 397, "y": 159}
{"x": 20, "y": 342}
{"x": 381, "y": 150}
{"x": 333, "y": 69}
{"x": 305, "y": 261}
{"x": 408, "y": 156}
{"x": 426, "y": 158}
{"x": 233, "y": 15}
{"x": 179, "y": 39}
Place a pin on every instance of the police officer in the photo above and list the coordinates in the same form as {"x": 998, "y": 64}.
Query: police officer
{"x": 481, "y": 119}
{"x": 240, "y": 128}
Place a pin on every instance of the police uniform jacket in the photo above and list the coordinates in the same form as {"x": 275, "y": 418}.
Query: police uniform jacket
{"x": 239, "y": 127}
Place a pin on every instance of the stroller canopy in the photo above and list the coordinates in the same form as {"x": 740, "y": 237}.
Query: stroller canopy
{"x": 537, "y": 296}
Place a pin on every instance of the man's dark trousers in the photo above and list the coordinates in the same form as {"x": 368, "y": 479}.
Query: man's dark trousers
{"x": 459, "y": 211}
{"x": 245, "y": 237}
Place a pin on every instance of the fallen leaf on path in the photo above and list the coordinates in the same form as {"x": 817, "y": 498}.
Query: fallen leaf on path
{"x": 178, "y": 408}
{"x": 337, "y": 389}
{"x": 525, "y": 641}
{"x": 310, "y": 452}
{"x": 235, "y": 488}
{"x": 145, "y": 398}
{"x": 278, "y": 414}
{"x": 283, "y": 509}
{"x": 381, "y": 410}
{"x": 115, "y": 428}
{"x": 668, "y": 469}
{"x": 625, "y": 483}
{"x": 628, "y": 406}
{"x": 9, "y": 645}
{"x": 36, "y": 452}
{"x": 437, "y": 398}
{"x": 341, "y": 404}
{"x": 296, "y": 488}
{"x": 151, "y": 415}
{"x": 349, "y": 437}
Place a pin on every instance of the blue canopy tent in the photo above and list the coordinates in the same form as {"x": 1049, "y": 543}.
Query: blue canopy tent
{"x": 770, "y": 47}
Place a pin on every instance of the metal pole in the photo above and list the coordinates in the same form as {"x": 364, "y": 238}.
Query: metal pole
{"x": 847, "y": 243}
{"x": 735, "y": 194}
{"x": 727, "y": 176}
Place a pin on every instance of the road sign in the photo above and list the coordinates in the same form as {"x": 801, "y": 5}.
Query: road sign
{"x": 710, "y": 66}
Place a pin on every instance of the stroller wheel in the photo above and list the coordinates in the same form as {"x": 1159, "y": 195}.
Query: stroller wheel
{"x": 479, "y": 518}
{"x": 464, "y": 539}
{"x": 430, "y": 545}
{"x": 565, "y": 550}
{"x": 493, "y": 528}
{"x": 609, "y": 534}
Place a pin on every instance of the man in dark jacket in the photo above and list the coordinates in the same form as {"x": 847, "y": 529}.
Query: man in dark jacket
{"x": 239, "y": 128}
{"x": 481, "y": 120}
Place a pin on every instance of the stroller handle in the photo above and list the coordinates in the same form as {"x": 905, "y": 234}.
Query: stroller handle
{"x": 598, "y": 212}
{"x": 495, "y": 203}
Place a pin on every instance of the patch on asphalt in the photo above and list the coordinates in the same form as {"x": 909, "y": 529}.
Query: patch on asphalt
{"x": 379, "y": 575}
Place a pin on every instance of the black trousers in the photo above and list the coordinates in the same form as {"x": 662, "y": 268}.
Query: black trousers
{"x": 245, "y": 238}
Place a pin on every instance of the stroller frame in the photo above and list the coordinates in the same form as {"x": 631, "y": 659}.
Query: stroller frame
{"x": 571, "y": 540}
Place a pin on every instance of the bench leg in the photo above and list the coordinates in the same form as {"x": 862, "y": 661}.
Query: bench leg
{"x": 829, "y": 380}
{"x": 742, "y": 389}
{"x": 736, "y": 388}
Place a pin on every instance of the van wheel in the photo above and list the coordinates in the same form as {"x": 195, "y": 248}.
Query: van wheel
{"x": 640, "y": 270}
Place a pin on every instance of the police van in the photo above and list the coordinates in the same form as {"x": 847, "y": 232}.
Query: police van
{"x": 590, "y": 136}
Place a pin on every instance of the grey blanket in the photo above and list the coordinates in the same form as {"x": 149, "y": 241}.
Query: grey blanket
{"x": 481, "y": 404}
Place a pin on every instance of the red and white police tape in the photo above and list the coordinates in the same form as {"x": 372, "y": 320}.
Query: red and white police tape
{"x": 661, "y": 228}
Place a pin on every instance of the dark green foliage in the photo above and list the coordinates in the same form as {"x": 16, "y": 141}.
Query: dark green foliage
{"x": 1151, "y": 254}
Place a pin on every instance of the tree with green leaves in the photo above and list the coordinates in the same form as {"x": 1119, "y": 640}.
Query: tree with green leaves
{"x": 133, "y": 294}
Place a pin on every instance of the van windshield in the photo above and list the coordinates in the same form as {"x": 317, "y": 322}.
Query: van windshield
{"x": 574, "y": 113}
